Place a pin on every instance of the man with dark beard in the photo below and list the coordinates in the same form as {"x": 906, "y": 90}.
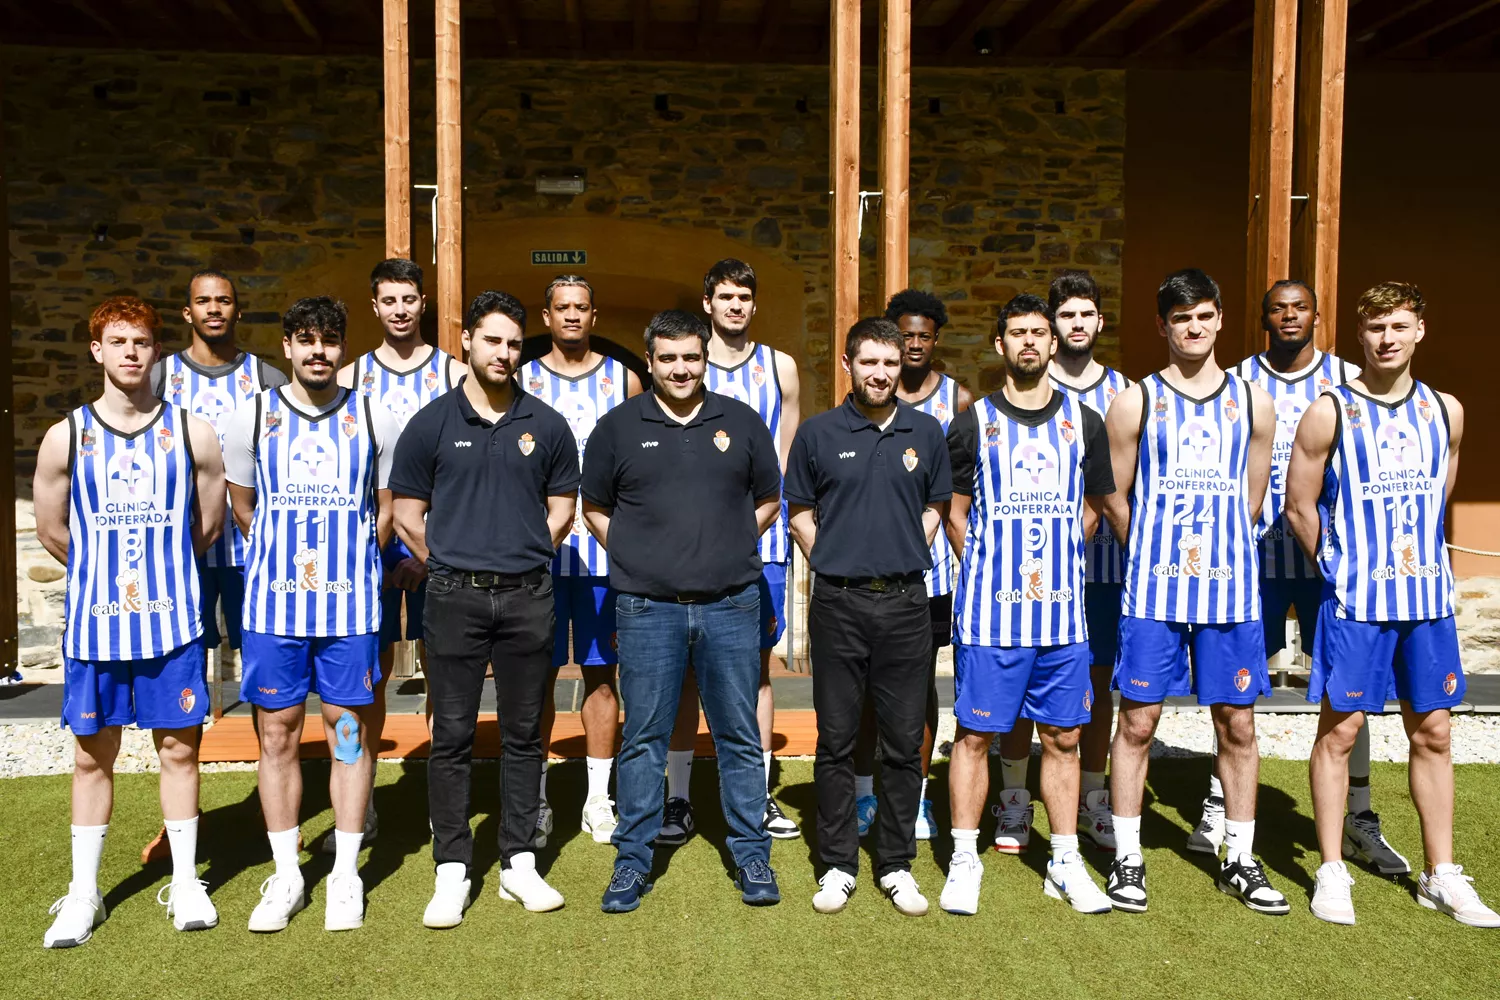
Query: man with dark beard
{"x": 873, "y": 468}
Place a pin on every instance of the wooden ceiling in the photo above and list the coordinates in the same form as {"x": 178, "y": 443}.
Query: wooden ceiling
{"x": 1414, "y": 34}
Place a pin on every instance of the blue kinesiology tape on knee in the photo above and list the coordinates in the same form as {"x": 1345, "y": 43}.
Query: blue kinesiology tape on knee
{"x": 346, "y": 747}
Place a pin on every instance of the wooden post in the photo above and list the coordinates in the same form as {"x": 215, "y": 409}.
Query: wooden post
{"x": 9, "y": 626}
{"x": 895, "y": 144}
{"x": 843, "y": 71}
{"x": 1272, "y": 96}
{"x": 1320, "y": 156}
{"x": 450, "y": 171}
{"x": 397, "y": 130}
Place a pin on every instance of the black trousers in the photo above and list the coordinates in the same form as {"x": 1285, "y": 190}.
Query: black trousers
{"x": 469, "y": 628}
{"x": 878, "y": 644}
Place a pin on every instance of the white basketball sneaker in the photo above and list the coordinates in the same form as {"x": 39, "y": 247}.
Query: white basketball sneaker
{"x": 1209, "y": 836}
{"x": 1448, "y": 890}
{"x": 961, "y": 892}
{"x": 77, "y": 916}
{"x": 1069, "y": 881}
{"x": 1095, "y": 821}
{"x": 520, "y": 883}
{"x": 1013, "y": 833}
{"x": 599, "y": 819}
{"x": 281, "y": 896}
{"x": 188, "y": 905}
{"x": 450, "y": 897}
{"x": 1333, "y": 898}
{"x": 344, "y": 909}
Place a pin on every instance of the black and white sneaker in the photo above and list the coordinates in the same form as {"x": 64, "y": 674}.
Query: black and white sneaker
{"x": 676, "y": 824}
{"x": 1126, "y": 885}
{"x": 778, "y": 824}
{"x": 1244, "y": 878}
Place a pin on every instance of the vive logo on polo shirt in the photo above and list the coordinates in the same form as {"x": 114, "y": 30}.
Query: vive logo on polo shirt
{"x": 649, "y": 444}
{"x": 463, "y": 444}
{"x": 847, "y": 454}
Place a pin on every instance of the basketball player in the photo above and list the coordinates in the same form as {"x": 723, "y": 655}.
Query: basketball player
{"x": 919, "y": 316}
{"x": 1033, "y": 469}
{"x": 1373, "y": 464}
{"x": 401, "y": 376}
{"x": 1192, "y": 450}
{"x": 582, "y": 385}
{"x": 1077, "y": 320}
{"x": 1294, "y": 373}
{"x": 765, "y": 379}
{"x": 128, "y": 491}
{"x": 307, "y": 467}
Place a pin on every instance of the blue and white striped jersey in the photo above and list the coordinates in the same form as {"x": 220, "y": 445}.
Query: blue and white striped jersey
{"x": 1382, "y": 508}
{"x": 313, "y": 566}
{"x": 941, "y": 404}
{"x": 1106, "y": 558}
{"x": 1020, "y": 582}
{"x": 403, "y": 393}
{"x": 212, "y": 398}
{"x": 756, "y": 383}
{"x": 1281, "y": 558}
{"x": 582, "y": 399}
{"x": 132, "y": 577}
{"x": 1191, "y": 552}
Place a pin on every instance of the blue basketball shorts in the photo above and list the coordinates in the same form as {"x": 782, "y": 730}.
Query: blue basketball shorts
{"x": 390, "y": 613}
{"x": 1360, "y": 665}
{"x": 1223, "y": 664}
{"x": 995, "y": 685}
{"x": 279, "y": 670}
{"x": 772, "y": 604}
{"x": 1277, "y": 597}
{"x": 588, "y": 605}
{"x": 163, "y": 692}
{"x": 1101, "y": 611}
{"x": 221, "y": 586}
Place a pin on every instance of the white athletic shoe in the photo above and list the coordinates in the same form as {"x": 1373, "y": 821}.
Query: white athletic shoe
{"x": 280, "y": 897}
{"x": 1245, "y": 879}
{"x": 599, "y": 820}
{"x": 1095, "y": 821}
{"x": 836, "y": 887}
{"x": 1452, "y": 892}
{"x": 1363, "y": 840}
{"x": 450, "y": 897}
{"x": 344, "y": 908}
{"x": 543, "y": 824}
{"x": 1333, "y": 899}
{"x": 1069, "y": 881}
{"x": 1013, "y": 833}
{"x": 961, "y": 892}
{"x": 902, "y": 890}
{"x": 926, "y": 825}
{"x": 77, "y": 916}
{"x": 521, "y": 884}
{"x": 188, "y": 905}
{"x": 1209, "y": 836}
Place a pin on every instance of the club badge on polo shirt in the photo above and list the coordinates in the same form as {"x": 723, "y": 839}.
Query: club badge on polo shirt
{"x": 526, "y": 443}
{"x": 721, "y": 440}
{"x": 910, "y": 459}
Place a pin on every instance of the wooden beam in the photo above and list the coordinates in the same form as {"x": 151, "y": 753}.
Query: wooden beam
{"x": 9, "y": 625}
{"x": 1164, "y": 21}
{"x": 573, "y": 11}
{"x": 640, "y": 25}
{"x": 1480, "y": 29}
{"x": 1369, "y": 16}
{"x": 772, "y": 17}
{"x": 1229, "y": 21}
{"x": 1320, "y": 152}
{"x": 303, "y": 21}
{"x": 843, "y": 73}
{"x": 1272, "y": 97}
{"x": 895, "y": 144}
{"x": 232, "y": 16}
{"x": 1099, "y": 19}
{"x": 1423, "y": 24}
{"x": 965, "y": 20}
{"x": 708, "y": 18}
{"x": 397, "y": 64}
{"x": 1038, "y": 15}
{"x": 450, "y": 176}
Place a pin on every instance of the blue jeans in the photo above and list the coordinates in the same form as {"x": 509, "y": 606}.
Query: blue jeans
{"x": 722, "y": 641}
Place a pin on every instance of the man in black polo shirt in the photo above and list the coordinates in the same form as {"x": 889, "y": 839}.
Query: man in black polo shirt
{"x": 868, "y": 484}
{"x": 485, "y": 480}
{"x": 678, "y": 484}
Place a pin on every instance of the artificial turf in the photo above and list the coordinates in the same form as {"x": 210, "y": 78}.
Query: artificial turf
{"x": 693, "y": 938}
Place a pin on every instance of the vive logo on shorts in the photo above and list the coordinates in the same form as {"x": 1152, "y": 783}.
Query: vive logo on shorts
{"x": 1139, "y": 683}
{"x": 980, "y": 712}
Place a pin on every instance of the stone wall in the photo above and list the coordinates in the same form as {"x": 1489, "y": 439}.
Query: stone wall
{"x": 128, "y": 171}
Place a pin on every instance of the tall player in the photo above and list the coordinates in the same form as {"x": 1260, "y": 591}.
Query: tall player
{"x": 1372, "y": 467}
{"x": 1077, "y": 321}
{"x": 919, "y": 316}
{"x": 1192, "y": 449}
{"x": 1033, "y": 469}
{"x": 401, "y": 376}
{"x": 583, "y": 385}
{"x": 307, "y": 467}
{"x": 128, "y": 490}
{"x": 765, "y": 379}
{"x": 1295, "y": 373}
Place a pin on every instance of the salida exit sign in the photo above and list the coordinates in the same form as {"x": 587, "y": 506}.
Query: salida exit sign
{"x": 545, "y": 257}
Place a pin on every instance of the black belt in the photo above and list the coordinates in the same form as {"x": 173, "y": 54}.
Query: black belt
{"x": 877, "y": 584}
{"x": 491, "y": 581}
{"x": 695, "y": 596}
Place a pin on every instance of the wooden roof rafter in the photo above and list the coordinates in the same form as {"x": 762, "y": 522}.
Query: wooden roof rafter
{"x": 1423, "y": 23}
{"x": 1165, "y": 20}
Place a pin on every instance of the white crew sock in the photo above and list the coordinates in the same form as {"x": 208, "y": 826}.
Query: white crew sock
{"x": 1062, "y": 844}
{"x": 1091, "y": 781}
{"x": 1013, "y": 772}
{"x": 1215, "y": 786}
{"x": 88, "y": 848}
{"x": 766, "y": 759}
{"x": 542, "y": 786}
{"x": 679, "y": 773}
{"x": 182, "y": 835}
{"x": 346, "y": 852}
{"x": 864, "y": 784}
{"x": 1359, "y": 771}
{"x": 923, "y": 797}
{"x": 1239, "y": 838}
{"x": 599, "y": 768}
{"x": 966, "y": 842}
{"x": 1127, "y": 835}
{"x": 284, "y": 851}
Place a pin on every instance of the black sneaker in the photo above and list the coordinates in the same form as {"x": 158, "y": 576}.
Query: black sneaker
{"x": 757, "y": 884}
{"x": 1126, "y": 885}
{"x": 1246, "y": 880}
{"x": 778, "y": 824}
{"x": 677, "y": 824}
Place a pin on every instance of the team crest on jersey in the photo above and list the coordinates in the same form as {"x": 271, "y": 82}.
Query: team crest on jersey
{"x": 86, "y": 442}
{"x": 164, "y": 439}
{"x": 367, "y": 383}
{"x": 1088, "y": 701}
{"x": 1067, "y": 431}
{"x": 350, "y": 425}
{"x": 1242, "y": 680}
{"x": 1424, "y": 408}
{"x": 534, "y": 386}
{"x": 1231, "y": 410}
{"x": 526, "y": 443}
{"x": 369, "y": 681}
{"x": 430, "y": 380}
{"x": 187, "y": 700}
{"x": 758, "y": 375}
{"x": 273, "y": 425}
{"x": 940, "y": 410}
{"x": 606, "y": 385}
{"x": 247, "y": 386}
{"x": 1355, "y": 415}
{"x": 175, "y": 383}
{"x": 992, "y": 435}
{"x": 909, "y": 459}
{"x": 771, "y": 624}
{"x": 1324, "y": 382}
{"x": 721, "y": 440}
{"x": 1450, "y": 683}
{"x": 1160, "y": 409}
{"x": 1109, "y": 395}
